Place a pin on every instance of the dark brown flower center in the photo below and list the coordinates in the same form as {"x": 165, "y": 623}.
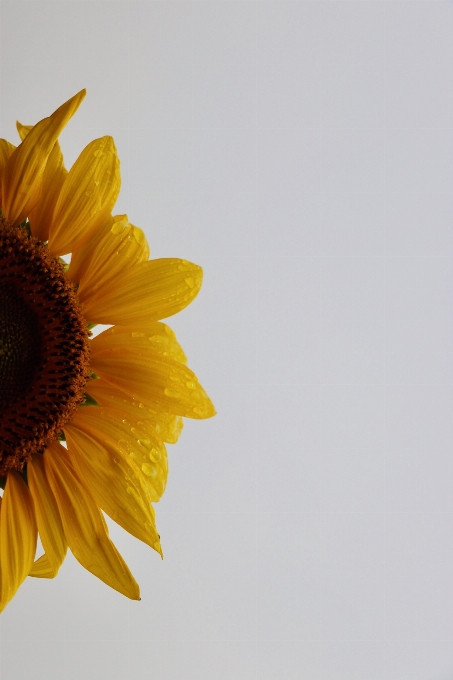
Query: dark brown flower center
{"x": 44, "y": 348}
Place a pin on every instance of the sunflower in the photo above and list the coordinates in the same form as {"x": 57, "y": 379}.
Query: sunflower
{"x": 84, "y": 420}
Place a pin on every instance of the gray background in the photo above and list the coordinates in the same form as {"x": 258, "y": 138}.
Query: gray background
{"x": 301, "y": 152}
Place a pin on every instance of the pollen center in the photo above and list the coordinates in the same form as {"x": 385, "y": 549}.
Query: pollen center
{"x": 44, "y": 348}
{"x": 19, "y": 352}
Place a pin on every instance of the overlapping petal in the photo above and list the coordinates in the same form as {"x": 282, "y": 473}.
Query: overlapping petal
{"x": 150, "y": 291}
{"x": 118, "y": 468}
{"x": 86, "y": 198}
{"x": 52, "y": 181}
{"x": 18, "y": 536}
{"x": 154, "y": 335}
{"x": 99, "y": 266}
{"x": 6, "y": 150}
{"x": 121, "y": 406}
{"x": 49, "y": 522}
{"x": 23, "y": 173}
{"x": 84, "y": 526}
{"x": 115, "y": 460}
{"x": 152, "y": 378}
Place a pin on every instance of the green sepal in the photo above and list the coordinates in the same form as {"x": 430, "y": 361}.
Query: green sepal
{"x": 26, "y": 225}
{"x": 89, "y": 401}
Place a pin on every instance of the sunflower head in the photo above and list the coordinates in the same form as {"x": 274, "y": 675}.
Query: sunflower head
{"x": 44, "y": 348}
{"x": 83, "y": 423}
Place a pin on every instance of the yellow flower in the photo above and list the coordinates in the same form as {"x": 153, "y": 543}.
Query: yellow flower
{"x": 83, "y": 421}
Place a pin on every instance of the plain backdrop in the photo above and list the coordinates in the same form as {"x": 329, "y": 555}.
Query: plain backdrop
{"x": 302, "y": 153}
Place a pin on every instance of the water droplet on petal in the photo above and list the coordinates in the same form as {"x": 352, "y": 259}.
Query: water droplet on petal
{"x": 155, "y": 455}
{"x": 149, "y": 470}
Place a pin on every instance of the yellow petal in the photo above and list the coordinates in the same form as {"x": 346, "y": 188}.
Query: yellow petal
{"x": 22, "y": 178}
{"x": 42, "y": 568}
{"x": 18, "y": 536}
{"x": 87, "y": 197}
{"x": 98, "y": 259}
{"x": 119, "y": 250}
{"x": 84, "y": 525}
{"x": 137, "y": 441}
{"x": 119, "y": 405}
{"x": 82, "y": 253}
{"x": 154, "y": 335}
{"x": 149, "y": 291}
{"x": 6, "y": 149}
{"x": 23, "y": 130}
{"x": 116, "y": 482}
{"x": 156, "y": 380}
{"x": 49, "y": 522}
{"x": 53, "y": 179}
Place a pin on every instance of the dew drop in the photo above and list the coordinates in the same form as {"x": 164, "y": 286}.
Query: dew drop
{"x": 149, "y": 470}
{"x": 155, "y": 455}
{"x": 170, "y": 392}
{"x": 98, "y": 153}
{"x": 136, "y": 334}
{"x": 190, "y": 282}
{"x": 191, "y": 385}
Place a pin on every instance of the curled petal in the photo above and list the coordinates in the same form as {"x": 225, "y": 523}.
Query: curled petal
{"x": 84, "y": 526}
{"x": 22, "y": 177}
{"x": 52, "y": 181}
{"x": 23, "y": 130}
